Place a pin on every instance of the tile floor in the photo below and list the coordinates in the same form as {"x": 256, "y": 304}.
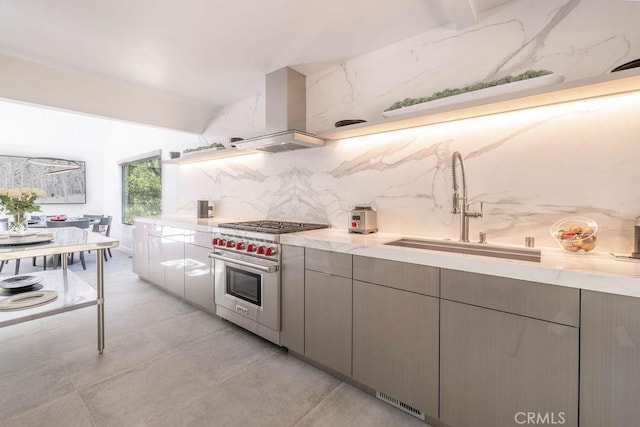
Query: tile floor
{"x": 166, "y": 363}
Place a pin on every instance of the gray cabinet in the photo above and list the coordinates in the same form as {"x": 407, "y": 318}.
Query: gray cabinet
{"x": 417, "y": 278}
{"x": 177, "y": 260}
{"x": 141, "y": 249}
{"x": 166, "y": 257}
{"x": 292, "y": 295}
{"x": 495, "y": 363}
{"x": 156, "y": 260}
{"x": 173, "y": 251}
{"x": 609, "y": 360}
{"x": 328, "y": 309}
{"x": 395, "y": 343}
{"x": 198, "y": 276}
{"x": 546, "y": 302}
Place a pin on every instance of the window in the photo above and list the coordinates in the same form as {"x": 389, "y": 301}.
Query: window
{"x": 141, "y": 188}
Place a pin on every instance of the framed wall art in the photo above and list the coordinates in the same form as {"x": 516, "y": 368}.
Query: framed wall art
{"x": 63, "y": 181}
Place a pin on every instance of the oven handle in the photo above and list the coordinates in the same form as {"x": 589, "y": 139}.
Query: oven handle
{"x": 265, "y": 268}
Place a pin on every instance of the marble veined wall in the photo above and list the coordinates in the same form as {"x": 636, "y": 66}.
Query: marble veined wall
{"x": 576, "y": 38}
{"x": 530, "y": 167}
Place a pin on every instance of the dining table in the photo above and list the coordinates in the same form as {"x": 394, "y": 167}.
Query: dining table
{"x": 72, "y": 291}
{"x": 42, "y": 223}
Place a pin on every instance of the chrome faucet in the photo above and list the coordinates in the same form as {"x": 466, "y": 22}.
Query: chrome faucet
{"x": 461, "y": 204}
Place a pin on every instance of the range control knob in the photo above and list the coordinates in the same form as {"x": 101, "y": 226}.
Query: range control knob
{"x": 239, "y": 246}
{"x": 230, "y": 243}
{"x": 251, "y": 247}
{"x": 354, "y": 224}
{"x": 261, "y": 250}
{"x": 270, "y": 251}
{"x": 214, "y": 242}
{"x": 221, "y": 242}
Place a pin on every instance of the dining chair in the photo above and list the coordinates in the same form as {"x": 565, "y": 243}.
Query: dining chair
{"x": 80, "y": 223}
{"x": 4, "y": 226}
{"x": 95, "y": 220}
{"x": 104, "y": 228}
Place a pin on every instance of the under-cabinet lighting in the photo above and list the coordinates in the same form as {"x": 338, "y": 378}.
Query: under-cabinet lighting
{"x": 619, "y": 86}
{"x": 441, "y": 131}
{"x": 245, "y": 156}
{"x": 208, "y": 155}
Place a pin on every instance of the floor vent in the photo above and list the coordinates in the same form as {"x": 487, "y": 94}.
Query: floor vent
{"x": 400, "y": 405}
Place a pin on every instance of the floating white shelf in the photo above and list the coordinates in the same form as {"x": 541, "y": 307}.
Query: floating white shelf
{"x": 610, "y": 84}
{"x": 211, "y": 154}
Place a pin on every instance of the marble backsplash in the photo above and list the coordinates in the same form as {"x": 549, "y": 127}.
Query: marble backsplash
{"x": 530, "y": 167}
{"x": 576, "y": 38}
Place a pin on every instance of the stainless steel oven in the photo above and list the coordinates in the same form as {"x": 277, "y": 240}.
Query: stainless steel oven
{"x": 247, "y": 274}
{"x": 248, "y": 293}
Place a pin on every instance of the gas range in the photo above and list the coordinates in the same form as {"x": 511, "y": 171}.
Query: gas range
{"x": 247, "y": 273}
{"x": 257, "y": 238}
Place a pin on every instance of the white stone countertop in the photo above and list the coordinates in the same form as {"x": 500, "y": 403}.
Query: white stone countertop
{"x": 187, "y": 222}
{"x": 597, "y": 271}
{"x": 65, "y": 240}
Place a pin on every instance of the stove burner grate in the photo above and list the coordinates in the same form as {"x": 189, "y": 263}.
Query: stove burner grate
{"x": 274, "y": 227}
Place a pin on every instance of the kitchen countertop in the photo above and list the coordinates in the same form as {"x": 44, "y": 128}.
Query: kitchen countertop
{"x": 64, "y": 240}
{"x": 188, "y": 222}
{"x": 597, "y": 271}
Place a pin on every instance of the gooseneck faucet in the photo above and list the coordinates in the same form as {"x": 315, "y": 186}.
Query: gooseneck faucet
{"x": 461, "y": 204}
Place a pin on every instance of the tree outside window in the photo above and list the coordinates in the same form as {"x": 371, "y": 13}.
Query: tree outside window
{"x": 141, "y": 188}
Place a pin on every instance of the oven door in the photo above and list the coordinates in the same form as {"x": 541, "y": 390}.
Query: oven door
{"x": 248, "y": 286}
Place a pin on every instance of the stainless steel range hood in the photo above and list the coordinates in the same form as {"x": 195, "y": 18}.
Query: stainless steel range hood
{"x": 286, "y": 115}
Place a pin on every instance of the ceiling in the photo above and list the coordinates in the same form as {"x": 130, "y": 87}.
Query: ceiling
{"x": 213, "y": 51}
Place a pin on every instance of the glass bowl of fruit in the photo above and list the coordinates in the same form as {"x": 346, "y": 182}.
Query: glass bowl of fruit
{"x": 576, "y": 234}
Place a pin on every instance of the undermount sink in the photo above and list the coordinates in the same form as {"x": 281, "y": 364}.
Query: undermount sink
{"x": 482, "y": 249}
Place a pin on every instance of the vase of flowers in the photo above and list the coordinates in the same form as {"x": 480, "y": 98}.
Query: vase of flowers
{"x": 18, "y": 203}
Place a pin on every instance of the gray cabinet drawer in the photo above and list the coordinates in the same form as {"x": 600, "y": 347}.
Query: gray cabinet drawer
{"x": 199, "y": 238}
{"x": 328, "y": 262}
{"x": 400, "y": 275}
{"x": 547, "y": 302}
{"x": 155, "y": 230}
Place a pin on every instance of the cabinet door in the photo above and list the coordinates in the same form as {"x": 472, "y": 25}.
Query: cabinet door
{"x": 610, "y": 360}
{"x": 327, "y": 320}
{"x": 141, "y": 249}
{"x": 198, "y": 277}
{"x": 173, "y": 265}
{"x": 497, "y": 367}
{"x": 156, "y": 260}
{"x": 292, "y": 295}
{"x": 395, "y": 344}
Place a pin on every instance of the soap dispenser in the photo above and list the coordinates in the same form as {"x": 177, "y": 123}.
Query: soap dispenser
{"x": 636, "y": 239}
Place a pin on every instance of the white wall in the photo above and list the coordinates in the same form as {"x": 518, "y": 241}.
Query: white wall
{"x": 27, "y": 130}
{"x": 44, "y": 85}
{"x": 531, "y": 167}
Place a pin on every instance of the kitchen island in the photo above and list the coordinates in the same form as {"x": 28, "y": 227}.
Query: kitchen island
{"x": 72, "y": 292}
